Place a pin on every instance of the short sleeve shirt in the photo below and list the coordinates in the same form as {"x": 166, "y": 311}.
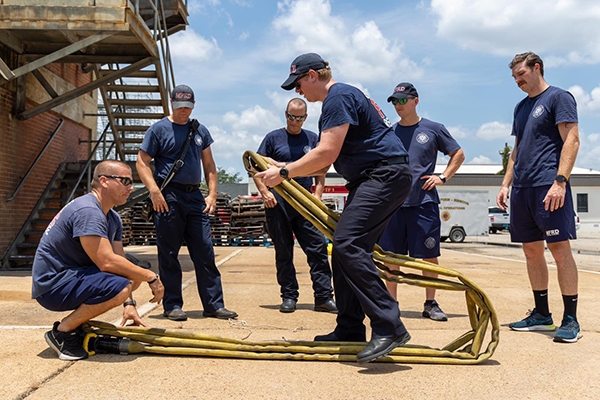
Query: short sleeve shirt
{"x": 285, "y": 147}
{"x": 60, "y": 252}
{"x": 164, "y": 141}
{"x": 539, "y": 143}
{"x": 423, "y": 141}
{"x": 370, "y": 137}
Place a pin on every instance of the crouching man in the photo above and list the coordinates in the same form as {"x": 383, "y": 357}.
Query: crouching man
{"x": 80, "y": 264}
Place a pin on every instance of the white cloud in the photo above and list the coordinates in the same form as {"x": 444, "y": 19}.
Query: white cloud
{"x": 360, "y": 52}
{"x": 494, "y": 130}
{"x": 564, "y": 31}
{"x": 188, "y": 47}
{"x": 587, "y": 103}
{"x": 457, "y": 132}
{"x": 481, "y": 160}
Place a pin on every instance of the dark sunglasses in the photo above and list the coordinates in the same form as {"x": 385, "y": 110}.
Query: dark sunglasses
{"x": 123, "y": 179}
{"x": 401, "y": 101}
{"x": 298, "y": 80}
{"x": 298, "y": 118}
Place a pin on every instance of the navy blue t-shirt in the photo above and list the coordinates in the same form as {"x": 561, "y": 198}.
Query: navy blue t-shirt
{"x": 370, "y": 137}
{"x": 164, "y": 141}
{"x": 285, "y": 147}
{"x": 423, "y": 141}
{"x": 539, "y": 143}
{"x": 60, "y": 253}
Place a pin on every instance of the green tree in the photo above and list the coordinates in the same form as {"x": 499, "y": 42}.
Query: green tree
{"x": 224, "y": 177}
{"x": 505, "y": 153}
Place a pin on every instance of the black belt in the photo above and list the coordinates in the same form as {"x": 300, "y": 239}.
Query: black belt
{"x": 392, "y": 161}
{"x": 187, "y": 188}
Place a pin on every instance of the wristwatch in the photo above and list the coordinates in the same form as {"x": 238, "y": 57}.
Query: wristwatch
{"x": 284, "y": 173}
{"x": 153, "y": 280}
{"x": 130, "y": 303}
{"x": 442, "y": 177}
{"x": 561, "y": 178}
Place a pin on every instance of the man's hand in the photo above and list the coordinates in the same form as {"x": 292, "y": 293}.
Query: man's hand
{"x": 130, "y": 313}
{"x": 158, "y": 290}
{"x": 502, "y": 198}
{"x": 211, "y": 204}
{"x": 431, "y": 181}
{"x": 270, "y": 177}
{"x": 269, "y": 199}
{"x": 158, "y": 202}
{"x": 555, "y": 198}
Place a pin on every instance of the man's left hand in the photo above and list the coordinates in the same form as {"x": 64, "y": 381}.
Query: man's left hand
{"x": 555, "y": 198}
{"x": 431, "y": 181}
{"x": 130, "y": 313}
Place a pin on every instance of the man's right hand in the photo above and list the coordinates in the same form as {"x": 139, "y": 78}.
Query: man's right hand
{"x": 158, "y": 202}
{"x": 269, "y": 199}
{"x": 502, "y": 198}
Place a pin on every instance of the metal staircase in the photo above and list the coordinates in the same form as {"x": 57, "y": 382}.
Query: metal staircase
{"x": 125, "y": 45}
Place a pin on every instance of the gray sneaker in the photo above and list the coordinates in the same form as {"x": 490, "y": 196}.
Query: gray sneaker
{"x": 433, "y": 311}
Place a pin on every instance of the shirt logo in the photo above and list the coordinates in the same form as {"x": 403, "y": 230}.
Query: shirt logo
{"x": 539, "y": 110}
{"x": 422, "y": 138}
{"x": 553, "y": 232}
{"x": 198, "y": 140}
{"x": 306, "y": 149}
{"x": 430, "y": 242}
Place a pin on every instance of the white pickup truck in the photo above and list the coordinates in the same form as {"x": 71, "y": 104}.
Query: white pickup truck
{"x": 499, "y": 220}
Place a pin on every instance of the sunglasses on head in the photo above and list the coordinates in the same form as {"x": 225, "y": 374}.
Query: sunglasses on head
{"x": 123, "y": 179}
{"x": 401, "y": 101}
{"x": 298, "y": 118}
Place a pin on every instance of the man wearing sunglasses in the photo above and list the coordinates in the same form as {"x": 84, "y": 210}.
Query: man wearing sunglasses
{"x": 357, "y": 138}
{"x": 284, "y": 146}
{"x": 80, "y": 264}
{"x": 415, "y": 228}
{"x": 181, "y": 211}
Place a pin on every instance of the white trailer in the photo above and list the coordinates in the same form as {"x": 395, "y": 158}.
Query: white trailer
{"x": 463, "y": 213}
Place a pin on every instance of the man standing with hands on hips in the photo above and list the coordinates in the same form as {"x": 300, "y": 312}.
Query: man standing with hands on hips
{"x": 545, "y": 128}
{"x": 180, "y": 210}
{"x": 415, "y": 228}
{"x": 357, "y": 138}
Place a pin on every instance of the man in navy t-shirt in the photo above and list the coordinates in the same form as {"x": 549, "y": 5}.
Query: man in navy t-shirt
{"x": 181, "y": 211}
{"x": 415, "y": 228}
{"x": 546, "y": 144}
{"x": 357, "y": 138}
{"x": 284, "y": 146}
{"x": 80, "y": 264}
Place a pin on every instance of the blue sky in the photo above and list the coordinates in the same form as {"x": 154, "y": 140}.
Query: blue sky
{"x": 236, "y": 53}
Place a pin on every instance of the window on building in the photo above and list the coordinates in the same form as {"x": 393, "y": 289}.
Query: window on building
{"x": 582, "y": 202}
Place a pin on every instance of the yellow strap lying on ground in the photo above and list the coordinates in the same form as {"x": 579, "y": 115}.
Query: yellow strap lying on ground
{"x": 467, "y": 349}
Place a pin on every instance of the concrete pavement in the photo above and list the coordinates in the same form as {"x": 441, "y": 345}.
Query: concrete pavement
{"x": 525, "y": 365}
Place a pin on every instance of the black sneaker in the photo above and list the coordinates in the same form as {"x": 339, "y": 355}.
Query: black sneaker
{"x": 66, "y": 344}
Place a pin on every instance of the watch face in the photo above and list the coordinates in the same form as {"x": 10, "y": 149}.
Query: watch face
{"x": 283, "y": 172}
{"x": 561, "y": 178}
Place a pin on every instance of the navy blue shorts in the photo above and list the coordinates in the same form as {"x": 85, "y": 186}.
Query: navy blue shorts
{"x": 414, "y": 231}
{"x": 89, "y": 286}
{"x": 530, "y": 222}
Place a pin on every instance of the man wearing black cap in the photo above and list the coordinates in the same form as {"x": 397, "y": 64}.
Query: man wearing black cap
{"x": 181, "y": 212}
{"x": 357, "y": 138}
{"x": 415, "y": 228}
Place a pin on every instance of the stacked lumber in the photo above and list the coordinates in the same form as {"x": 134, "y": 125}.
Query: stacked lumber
{"x": 220, "y": 221}
{"x": 248, "y": 222}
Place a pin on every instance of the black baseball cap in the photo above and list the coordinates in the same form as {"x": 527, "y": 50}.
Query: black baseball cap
{"x": 301, "y": 65}
{"x": 402, "y": 91}
{"x": 182, "y": 96}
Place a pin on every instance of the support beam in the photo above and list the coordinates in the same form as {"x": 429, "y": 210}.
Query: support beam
{"x": 45, "y": 84}
{"x": 32, "y": 112}
{"x": 5, "y": 71}
{"x": 57, "y": 55}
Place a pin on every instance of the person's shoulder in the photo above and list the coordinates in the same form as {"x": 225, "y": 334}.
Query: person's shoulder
{"x": 431, "y": 124}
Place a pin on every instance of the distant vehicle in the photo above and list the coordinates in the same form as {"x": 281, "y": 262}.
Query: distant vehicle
{"x": 462, "y": 213}
{"x": 499, "y": 219}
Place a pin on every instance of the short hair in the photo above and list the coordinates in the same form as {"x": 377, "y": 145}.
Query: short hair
{"x": 324, "y": 73}
{"x": 107, "y": 167}
{"x": 530, "y": 59}
{"x": 298, "y": 102}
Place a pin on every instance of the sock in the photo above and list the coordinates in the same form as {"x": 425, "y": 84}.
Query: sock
{"x": 570, "y": 303}
{"x": 541, "y": 302}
